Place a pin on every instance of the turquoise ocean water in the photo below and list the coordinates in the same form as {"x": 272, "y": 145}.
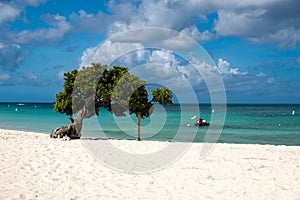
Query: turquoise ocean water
{"x": 246, "y": 124}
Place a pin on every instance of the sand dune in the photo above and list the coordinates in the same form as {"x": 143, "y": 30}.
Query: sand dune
{"x": 33, "y": 166}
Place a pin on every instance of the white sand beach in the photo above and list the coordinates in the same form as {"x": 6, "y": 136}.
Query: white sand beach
{"x": 33, "y": 166}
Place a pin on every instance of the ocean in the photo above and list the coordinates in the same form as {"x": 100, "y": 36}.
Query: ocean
{"x": 244, "y": 123}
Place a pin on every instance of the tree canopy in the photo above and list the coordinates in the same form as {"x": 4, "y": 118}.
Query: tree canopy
{"x": 114, "y": 89}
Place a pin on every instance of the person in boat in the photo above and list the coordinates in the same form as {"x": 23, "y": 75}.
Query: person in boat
{"x": 199, "y": 121}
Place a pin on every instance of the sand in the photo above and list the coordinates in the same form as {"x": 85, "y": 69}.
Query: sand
{"x": 33, "y": 166}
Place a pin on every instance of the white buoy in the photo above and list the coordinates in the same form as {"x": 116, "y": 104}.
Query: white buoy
{"x": 16, "y": 109}
{"x": 293, "y": 113}
{"x": 213, "y": 111}
{"x": 188, "y": 125}
{"x": 194, "y": 117}
{"x": 35, "y": 106}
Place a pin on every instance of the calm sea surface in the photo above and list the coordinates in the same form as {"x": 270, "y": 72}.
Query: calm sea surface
{"x": 250, "y": 124}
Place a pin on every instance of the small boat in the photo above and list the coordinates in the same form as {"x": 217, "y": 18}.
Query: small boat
{"x": 201, "y": 122}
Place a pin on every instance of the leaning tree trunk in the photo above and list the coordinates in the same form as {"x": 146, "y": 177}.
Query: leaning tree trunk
{"x": 73, "y": 130}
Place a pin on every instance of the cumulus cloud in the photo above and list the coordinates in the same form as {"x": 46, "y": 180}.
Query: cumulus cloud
{"x": 257, "y": 21}
{"x": 153, "y": 65}
{"x": 270, "y": 22}
{"x": 286, "y": 38}
{"x": 83, "y": 21}
{"x": 178, "y": 42}
{"x": 224, "y": 68}
{"x": 60, "y": 27}
{"x": 175, "y": 15}
{"x": 107, "y": 53}
{"x": 239, "y": 23}
{"x": 193, "y": 32}
{"x": 266, "y": 21}
{"x": 8, "y": 12}
{"x": 11, "y": 55}
{"x": 163, "y": 68}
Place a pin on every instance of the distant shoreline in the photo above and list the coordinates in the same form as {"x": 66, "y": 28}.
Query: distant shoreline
{"x": 133, "y": 139}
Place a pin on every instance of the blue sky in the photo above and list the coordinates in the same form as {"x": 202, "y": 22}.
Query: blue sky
{"x": 255, "y": 45}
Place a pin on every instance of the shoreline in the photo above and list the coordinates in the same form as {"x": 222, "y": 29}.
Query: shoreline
{"x": 33, "y": 166}
{"x": 129, "y": 139}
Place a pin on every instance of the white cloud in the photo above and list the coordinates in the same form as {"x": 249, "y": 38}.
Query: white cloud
{"x": 238, "y": 23}
{"x": 166, "y": 68}
{"x": 178, "y": 42}
{"x": 8, "y": 12}
{"x": 224, "y": 68}
{"x": 11, "y": 10}
{"x": 159, "y": 37}
{"x": 197, "y": 35}
{"x": 269, "y": 22}
{"x": 213, "y": 5}
{"x": 154, "y": 66}
{"x": 285, "y": 37}
{"x": 234, "y": 17}
{"x": 83, "y": 21}
{"x": 175, "y": 15}
{"x": 60, "y": 28}
{"x": 163, "y": 57}
{"x": 117, "y": 27}
{"x": 162, "y": 72}
{"x": 107, "y": 53}
{"x": 258, "y": 21}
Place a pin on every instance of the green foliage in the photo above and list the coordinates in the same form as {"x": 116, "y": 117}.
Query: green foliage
{"x": 87, "y": 79}
{"x": 85, "y": 85}
{"x": 114, "y": 89}
{"x": 139, "y": 104}
{"x": 63, "y": 102}
{"x": 162, "y": 95}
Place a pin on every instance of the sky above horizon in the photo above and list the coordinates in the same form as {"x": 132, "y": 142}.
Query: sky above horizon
{"x": 255, "y": 45}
